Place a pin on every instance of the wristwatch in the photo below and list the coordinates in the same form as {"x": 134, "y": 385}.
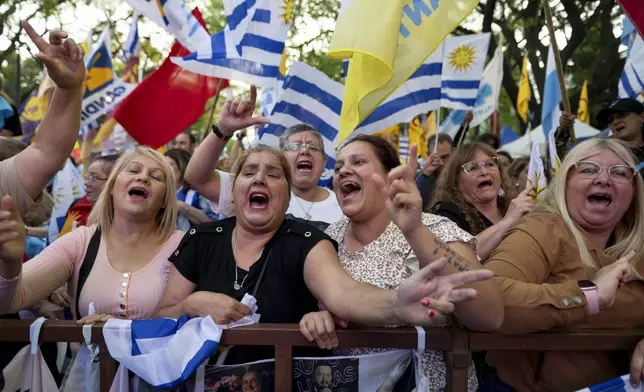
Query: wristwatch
{"x": 590, "y": 292}
{"x": 217, "y": 132}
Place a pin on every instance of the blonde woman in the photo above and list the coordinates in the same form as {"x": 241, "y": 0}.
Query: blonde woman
{"x": 575, "y": 262}
{"x": 121, "y": 257}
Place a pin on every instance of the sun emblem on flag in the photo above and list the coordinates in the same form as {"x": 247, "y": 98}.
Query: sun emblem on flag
{"x": 462, "y": 57}
{"x": 288, "y": 7}
{"x": 535, "y": 189}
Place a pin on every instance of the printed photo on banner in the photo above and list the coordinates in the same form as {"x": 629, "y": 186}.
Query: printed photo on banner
{"x": 333, "y": 375}
{"x": 255, "y": 377}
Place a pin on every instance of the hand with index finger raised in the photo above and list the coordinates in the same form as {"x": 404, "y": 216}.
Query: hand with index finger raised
{"x": 62, "y": 57}
{"x": 238, "y": 114}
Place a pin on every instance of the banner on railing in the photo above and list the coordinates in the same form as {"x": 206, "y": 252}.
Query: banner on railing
{"x": 391, "y": 371}
{"x": 620, "y": 384}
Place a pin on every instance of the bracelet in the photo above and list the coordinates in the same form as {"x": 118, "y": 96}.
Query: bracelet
{"x": 217, "y": 132}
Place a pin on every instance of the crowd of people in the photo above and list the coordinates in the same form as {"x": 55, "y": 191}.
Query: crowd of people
{"x": 458, "y": 241}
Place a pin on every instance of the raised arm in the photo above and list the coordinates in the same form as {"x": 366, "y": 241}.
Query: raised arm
{"x": 235, "y": 115}
{"x": 58, "y": 131}
{"x": 423, "y": 299}
{"x": 25, "y": 286}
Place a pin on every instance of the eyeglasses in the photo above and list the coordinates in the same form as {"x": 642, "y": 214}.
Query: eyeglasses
{"x": 617, "y": 173}
{"x": 92, "y": 178}
{"x": 300, "y": 146}
{"x": 475, "y": 167}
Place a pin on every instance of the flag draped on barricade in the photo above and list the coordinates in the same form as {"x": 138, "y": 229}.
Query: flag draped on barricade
{"x": 631, "y": 83}
{"x": 251, "y": 46}
{"x": 308, "y": 96}
{"x": 550, "y": 111}
{"x": 166, "y": 102}
{"x": 176, "y": 18}
{"x": 619, "y": 384}
{"x": 68, "y": 186}
{"x": 386, "y": 42}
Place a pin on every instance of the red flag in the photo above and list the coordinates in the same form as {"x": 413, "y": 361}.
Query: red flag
{"x": 635, "y": 11}
{"x": 167, "y": 102}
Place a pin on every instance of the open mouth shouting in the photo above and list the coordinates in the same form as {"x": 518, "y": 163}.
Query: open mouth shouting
{"x": 305, "y": 166}
{"x": 486, "y": 184}
{"x": 600, "y": 199}
{"x": 258, "y": 200}
{"x": 349, "y": 189}
{"x": 138, "y": 193}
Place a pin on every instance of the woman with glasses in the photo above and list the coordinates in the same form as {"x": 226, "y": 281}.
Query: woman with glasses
{"x": 478, "y": 197}
{"x": 575, "y": 262}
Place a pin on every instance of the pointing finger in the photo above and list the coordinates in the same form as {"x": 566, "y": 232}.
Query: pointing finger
{"x": 381, "y": 185}
{"x": 34, "y": 36}
{"x": 73, "y": 50}
{"x": 432, "y": 269}
{"x": 253, "y": 95}
{"x": 413, "y": 158}
{"x": 461, "y": 295}
{"x": 464, "y": 278}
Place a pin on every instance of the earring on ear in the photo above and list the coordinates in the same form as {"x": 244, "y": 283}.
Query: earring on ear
{"x": 500, "y": 193}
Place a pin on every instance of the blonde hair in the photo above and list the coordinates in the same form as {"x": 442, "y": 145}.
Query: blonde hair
{"x": 629, "y": 232}
{"x": 103, "y": 212}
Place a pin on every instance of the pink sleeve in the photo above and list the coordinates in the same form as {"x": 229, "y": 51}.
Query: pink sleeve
{"x": 45, "y": 273}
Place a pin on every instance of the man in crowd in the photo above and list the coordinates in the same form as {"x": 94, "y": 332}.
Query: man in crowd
{"x": 322, "y": 378}
{"x": 624, "y": 116}
{"x": 426, "y": 179}
{"x": 185, "y": 141}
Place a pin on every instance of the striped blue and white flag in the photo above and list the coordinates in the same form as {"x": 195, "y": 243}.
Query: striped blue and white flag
{"x": 620, "y": 384}
{"x": 403, "y": 148}
{"x": 164, "y": 352}
{"x": 631, "y": 83}
{"x": 251, "y": 46}
{"x": 550, "y": 111}
{"x": 421, "y": 93}
{"x": 308, "y": 96}
{"x": 463, "y": 64}
{"x": 132, "y": 45}
{"x": 176, "y": 18}
{"x": 68, "y": 186}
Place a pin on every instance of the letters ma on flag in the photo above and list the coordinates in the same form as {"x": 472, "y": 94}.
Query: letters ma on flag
{"x": 386, "y": 41}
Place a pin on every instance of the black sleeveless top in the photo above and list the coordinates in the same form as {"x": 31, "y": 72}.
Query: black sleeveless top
{"x": 205, "y": 257}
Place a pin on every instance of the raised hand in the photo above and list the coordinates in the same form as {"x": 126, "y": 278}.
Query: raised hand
{"x": 611, "y": 277}
{"x": 433, "y": 164}
{"x": 238, "y": 114}
{"x": 426, "y": 297}
{"x": 62, "y": 57}
{"x": 13, "y": 234}
{"x": 519, "y": 206}
{"x": 402, "y": 199}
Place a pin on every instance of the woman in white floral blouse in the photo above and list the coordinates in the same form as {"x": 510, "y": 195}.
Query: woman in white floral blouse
{"x": 385, "y": 237}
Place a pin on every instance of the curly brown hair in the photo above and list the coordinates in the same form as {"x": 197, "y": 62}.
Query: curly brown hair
{"x": 447, "y": 188}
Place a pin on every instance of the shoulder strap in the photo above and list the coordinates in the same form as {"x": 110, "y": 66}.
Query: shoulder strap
{"x": 86, "y": 267}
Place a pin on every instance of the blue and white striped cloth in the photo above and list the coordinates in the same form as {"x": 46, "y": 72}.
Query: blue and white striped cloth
{"x": 463, "y": 63}
{"x": 550, "y": 111}
{"x": 308, "y": 96}
{"x": 250, "y": 47}
{"x": 620, "y": 384}
{"x": 163, "y": 352}
{"x": 132, "y": 45}
{"x": 631, "y": 83}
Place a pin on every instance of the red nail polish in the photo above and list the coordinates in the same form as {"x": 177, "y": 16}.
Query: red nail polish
{"x": 431, "y": 313}
{"x": 425, "y": 302}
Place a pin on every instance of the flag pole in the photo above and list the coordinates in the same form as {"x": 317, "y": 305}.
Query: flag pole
{"x": 438, "y": 125}
{"x": 560, "y": 72}
{"x": 212, "y": 110}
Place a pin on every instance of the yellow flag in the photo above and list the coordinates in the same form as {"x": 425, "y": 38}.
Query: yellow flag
{"x": 386, "y": 41}
{"x": 392, "y": 135}
{"x": 417, "y": 135}
{"x": 429, "y": 129}
{"x": 582, "y": 113}
{"x": 523, "y": 99}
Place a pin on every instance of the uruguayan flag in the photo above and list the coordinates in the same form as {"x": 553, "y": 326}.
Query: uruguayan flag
{"x": 620, "y": 384}
{"x": 250, "y": 48}
{"x": 421, "y": 93}
{"x": 463, "y": 63}
{"x": 631, "y": 83}
{"x": 68, "y": 186}
{"x": 550, "y": 111}
{"x": 268, "y": 98}
{"x": 163, "y": 352}
{"x": 308, "y": 96}
{"x": 176, "y": 18}
{"x": 132, "y": 45}
{"x": 628, "y": 34}
{"x": 403, "y": 149}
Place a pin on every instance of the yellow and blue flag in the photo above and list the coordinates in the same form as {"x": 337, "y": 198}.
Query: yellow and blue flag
{"x": 386, "y": 41}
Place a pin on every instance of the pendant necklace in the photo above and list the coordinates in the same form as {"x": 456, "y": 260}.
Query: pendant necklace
{"x": 307, "y": 214}
{"x": 237, "y": 286}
